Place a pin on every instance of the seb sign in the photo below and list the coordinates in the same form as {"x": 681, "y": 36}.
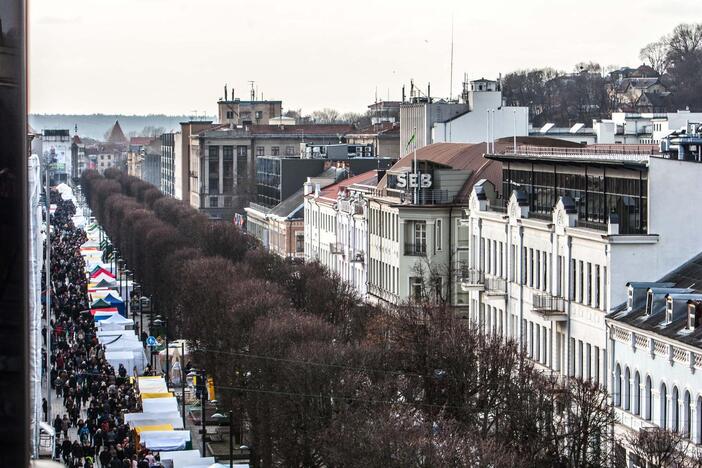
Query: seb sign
{"x": 414, "y": 180}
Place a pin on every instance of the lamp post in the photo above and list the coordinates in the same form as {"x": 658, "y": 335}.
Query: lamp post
{"x": 126, "y": 288}
{"x": 163, "y": 323}
{"x": 231, "y": 439}
{"x": 201, "y": 385}
{"x": 182, "y": 378}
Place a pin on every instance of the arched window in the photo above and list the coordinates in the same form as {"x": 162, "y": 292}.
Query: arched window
{"x": 675, "y": 411}
{"x": 637, "y": 393}
{"x": 648, "y": 400}
{"x": 627, "y": 389}
{"x": 687, "y": 415}
{"x": 618, "y": 386}
{"x": 663, "y": 405}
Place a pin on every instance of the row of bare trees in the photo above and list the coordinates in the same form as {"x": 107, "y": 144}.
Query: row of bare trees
{"x": 321, "y": 379}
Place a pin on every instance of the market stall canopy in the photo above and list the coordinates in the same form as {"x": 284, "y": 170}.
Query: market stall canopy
{"x": 103, "y": 313}
{"x": 153, "y": 405}
{"x": 101, "y": 270}
{"x": 152, "y": 384}
{"x": 156, "y": 427}
{"x": 183, "y": 458}
{"x": 165, "y": 440}
{"x": 146, "y": 419}
{"x": 100, "y": 304}
{"x": 116, "y": 319}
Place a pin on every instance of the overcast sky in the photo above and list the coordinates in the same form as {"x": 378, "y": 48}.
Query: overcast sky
{"x": 174, "y": 56}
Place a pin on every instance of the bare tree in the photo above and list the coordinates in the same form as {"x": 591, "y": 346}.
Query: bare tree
{"x": 659, "y": 448}
{"x": 655, "y": 55}
{"x": 326, "y": 115}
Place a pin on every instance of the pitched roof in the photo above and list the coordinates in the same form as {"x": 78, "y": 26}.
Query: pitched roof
{"x": 366, "y": 178}
{"x": 116, "y": 134}
{"x": 687, "y": 277}
{"x": 289, "y": 207}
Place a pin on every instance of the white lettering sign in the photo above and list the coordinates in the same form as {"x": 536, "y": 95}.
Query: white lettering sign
{"x": 413, "y": 180}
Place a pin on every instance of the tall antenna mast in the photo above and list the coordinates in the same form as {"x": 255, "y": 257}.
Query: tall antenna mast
{"x": 451, "y": 78}
{"x": 253, "y": 90}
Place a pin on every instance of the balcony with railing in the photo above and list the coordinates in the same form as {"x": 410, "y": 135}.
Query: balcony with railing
{"x": 472, "y": 280}
{"x": 357, "y": 257}
{"x": 416, "y": 249}
{"x": 495, "y": 286}
{"x": 548, "y": 306}
{"x": 612, "y": 153}
{"x": 336, "y": 248}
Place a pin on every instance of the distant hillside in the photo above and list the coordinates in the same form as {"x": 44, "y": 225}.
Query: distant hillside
{"x": 96, "y": 125}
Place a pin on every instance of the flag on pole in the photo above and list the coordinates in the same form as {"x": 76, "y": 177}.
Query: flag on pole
{"x": 412, "y": 139}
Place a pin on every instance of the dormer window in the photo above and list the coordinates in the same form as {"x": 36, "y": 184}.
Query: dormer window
{"x": 691, "y": 311}
{"x": 630, "y": 299}
{"x": 668, "y": 310}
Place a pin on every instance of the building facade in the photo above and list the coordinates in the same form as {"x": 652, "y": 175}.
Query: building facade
{"x": 336, "y": 227}
{"x": 56, "y": 147}
{"x": 167, "y": 179}
{"x": 237, "y": 112}
{"x": 655, "y": 356}
{"x": 547, "y": 263}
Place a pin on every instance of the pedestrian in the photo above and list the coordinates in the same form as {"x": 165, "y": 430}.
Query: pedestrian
{"x": 45, "y": 409}
{"x": 65, "y": 425}
{"x": 66, "y": 450}
{"x": 58, "y": 425}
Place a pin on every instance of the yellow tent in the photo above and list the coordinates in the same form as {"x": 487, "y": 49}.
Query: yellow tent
{"x": 157, "y": 395}
{"x": 157, "y": 427}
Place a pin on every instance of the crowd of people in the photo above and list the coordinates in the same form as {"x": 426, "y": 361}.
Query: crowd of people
{"x": 94, "y": 396}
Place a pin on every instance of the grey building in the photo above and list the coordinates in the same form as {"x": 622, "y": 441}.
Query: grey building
{"x": 168, "y": 151}
{"x": 422, "y": 113}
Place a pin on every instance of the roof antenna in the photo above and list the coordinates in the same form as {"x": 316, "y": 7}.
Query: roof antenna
{"x": 253, "y": 90}
{"x": 451, "y": 78}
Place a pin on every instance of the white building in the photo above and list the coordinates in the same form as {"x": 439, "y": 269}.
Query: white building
{"x": 548, "y": 262}
{"x": 655, "y": 355}
{"x": 56, "y": 146}
{"x": 485, "y": 119}
{"x": 336, "y": 227}
{"x": 641, "y": 129}
{"x": 414, "y": 247}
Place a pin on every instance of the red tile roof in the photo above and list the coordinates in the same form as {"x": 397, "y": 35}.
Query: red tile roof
{"x": 367, "y": 178}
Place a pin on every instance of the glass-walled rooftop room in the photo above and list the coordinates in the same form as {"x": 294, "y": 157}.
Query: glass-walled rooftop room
{"x": 597, "y": 192}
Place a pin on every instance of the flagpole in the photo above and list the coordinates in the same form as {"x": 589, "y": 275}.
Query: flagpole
{"x": 416, "y": 193}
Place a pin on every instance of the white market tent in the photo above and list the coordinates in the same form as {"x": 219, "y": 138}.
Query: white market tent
{"x": 154, "y": 419}
{"x": 128, "y": 358}
{"x": 159, "y": 405}
{"x": 115, "y": 322}
{"x": 182, "y": 458}
{"x": 152, "y": 385}
{"x": 165, "y": 440}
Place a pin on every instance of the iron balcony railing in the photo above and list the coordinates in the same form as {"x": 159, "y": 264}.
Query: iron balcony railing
{"x": 471, "y": 276}
{"x": 495, "y": 285}
{"x": 612, "y": 152}
{"x": 548, "y": 304}
{"x": 416, "y": 249}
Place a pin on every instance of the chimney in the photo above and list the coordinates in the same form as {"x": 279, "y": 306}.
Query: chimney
{"x": 308, "y": 186}
{"x": 381, "y": 174}
{"x": 317, "y": 189}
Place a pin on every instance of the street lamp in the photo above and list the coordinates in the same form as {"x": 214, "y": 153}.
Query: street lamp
{"x": 126, "y": 287}
{"x": 219, "y": 417}
{"x": 202, "y": 388}
{"x": 163, "y": 323}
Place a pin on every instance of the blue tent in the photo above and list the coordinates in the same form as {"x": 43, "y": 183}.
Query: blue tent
{"x": 116, "y": 302}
